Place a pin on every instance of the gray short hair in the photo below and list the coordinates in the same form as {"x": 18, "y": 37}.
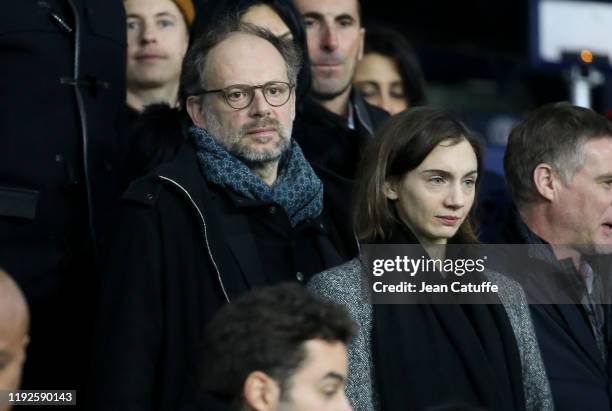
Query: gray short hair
{"x": 554, "y": 134}
{"x": 194, "y": 63}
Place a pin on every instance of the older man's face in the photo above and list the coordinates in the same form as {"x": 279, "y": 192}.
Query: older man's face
{"x": 260, "y": 132}
{"x": 583, "y": 207}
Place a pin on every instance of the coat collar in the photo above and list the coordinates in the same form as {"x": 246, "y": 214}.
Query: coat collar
{"x": 361, "y": 115}
{"x": 230, "y": 237}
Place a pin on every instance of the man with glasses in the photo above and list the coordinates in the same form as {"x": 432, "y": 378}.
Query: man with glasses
{"x": 238, "y": 208}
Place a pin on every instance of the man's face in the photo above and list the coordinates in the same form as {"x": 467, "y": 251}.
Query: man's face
{"x": 157, "y": 39}
{"x": 335, "y": 43}
{"x": 318, "y": 385}
{"x": 583, "y": 208}
{"x": 259, "y": 133}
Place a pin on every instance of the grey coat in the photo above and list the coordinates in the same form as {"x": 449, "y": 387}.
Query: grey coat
{"x": 342, "y": 284}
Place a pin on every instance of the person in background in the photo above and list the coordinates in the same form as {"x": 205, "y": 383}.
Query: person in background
{"x": 558, "y": 165}
{"x": 416, "y": 187}
{"x": 335, "y": 123}
{"x": 14, "y": 330}
{"x": 389, "y": 75}
{"x": 274, "y": 349}
{"x": 157, "y": 40}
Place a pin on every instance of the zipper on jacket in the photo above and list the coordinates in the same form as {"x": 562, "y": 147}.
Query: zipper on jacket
{"x": 204, "y": 227}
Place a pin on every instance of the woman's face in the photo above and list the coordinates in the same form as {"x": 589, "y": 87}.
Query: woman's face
{"x": 264, "y": 16}
{"x": 379, "y": 80}
{"x": 434, "y": 199}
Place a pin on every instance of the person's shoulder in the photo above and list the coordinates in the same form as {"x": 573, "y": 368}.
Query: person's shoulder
{"x": 158, "y": 117}
{"x": 343, "y": 278}
{"x": 144, "y": 190}
{"x": 510, "y": 291}
{"x": 148, "y": 188}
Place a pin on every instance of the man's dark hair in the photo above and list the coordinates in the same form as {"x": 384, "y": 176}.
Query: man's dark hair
{"x": 194, "y": 63}
{"x": 265, "y": 330}
{"x": 554, "y": 134}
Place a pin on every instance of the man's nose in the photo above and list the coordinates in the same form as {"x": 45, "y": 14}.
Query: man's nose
{"x": 329, "y": 38}
{"x": 259, "y": 106}
{"x": 148, "y": 33}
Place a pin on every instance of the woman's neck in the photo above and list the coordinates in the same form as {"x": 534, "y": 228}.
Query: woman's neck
{"x": 436, "y": 251}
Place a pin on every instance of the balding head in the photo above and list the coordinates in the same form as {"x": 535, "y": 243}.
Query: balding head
{"x": 14, "y": 324}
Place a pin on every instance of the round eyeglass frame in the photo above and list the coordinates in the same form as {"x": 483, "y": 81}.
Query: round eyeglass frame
{"x": 251, "y": 93}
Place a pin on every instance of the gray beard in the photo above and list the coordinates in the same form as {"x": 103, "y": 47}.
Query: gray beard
{"x": 251, "y": 158}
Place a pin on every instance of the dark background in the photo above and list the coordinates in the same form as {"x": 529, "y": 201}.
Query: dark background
{"x": 475, "y": 54}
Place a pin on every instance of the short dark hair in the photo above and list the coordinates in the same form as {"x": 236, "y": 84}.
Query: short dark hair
{"x": 553, "y": 134}
{"x": 392, "y": 44}
{"x": 400, "y": 145}
{"x": 265, "y": 330}
{"x": 195, "y": 59}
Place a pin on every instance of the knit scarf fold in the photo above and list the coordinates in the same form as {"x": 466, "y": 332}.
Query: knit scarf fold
{"x": 297, "y": 188}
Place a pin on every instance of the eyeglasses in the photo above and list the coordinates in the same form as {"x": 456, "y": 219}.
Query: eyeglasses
{"x": 239, "y": 96}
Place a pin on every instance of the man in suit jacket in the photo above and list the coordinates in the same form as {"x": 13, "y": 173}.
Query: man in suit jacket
{"x": 558, "y": 163}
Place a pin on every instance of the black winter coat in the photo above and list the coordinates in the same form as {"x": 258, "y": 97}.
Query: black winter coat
{"x": 60, "y": 127}
{"x": 62, "y": 93}
{"x": 579, "y": 376}
{"x": 178, "y": 258}
{"x": 326, "y": 139}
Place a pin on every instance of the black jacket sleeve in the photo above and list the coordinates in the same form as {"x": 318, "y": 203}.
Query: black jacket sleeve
{"x": 130, "y": 318}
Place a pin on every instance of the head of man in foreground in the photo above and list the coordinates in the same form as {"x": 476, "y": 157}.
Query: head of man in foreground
{"x": 277, "y": 349}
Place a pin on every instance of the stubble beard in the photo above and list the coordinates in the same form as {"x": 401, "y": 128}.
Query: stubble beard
{"x": 324, "y": 95}
{"x": 234, "y": 142}
{"x": 320, "y": 92}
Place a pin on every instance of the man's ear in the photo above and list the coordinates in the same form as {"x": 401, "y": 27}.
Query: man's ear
{"x": 293, "y": 104}
{"x": 390, "y": 191}
{"x": 361, "y": 43}
{"x": 261, "y": 392}
{"x": 545, "y": 180}
{"x": 194, "y": 109}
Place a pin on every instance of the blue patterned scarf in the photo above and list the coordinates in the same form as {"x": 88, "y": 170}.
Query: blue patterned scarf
{"x": 297, "y": 188}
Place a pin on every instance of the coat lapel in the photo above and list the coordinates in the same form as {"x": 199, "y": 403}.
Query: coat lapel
{"x": 582, "y": 333}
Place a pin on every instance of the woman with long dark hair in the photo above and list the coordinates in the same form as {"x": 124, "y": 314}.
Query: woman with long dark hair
{"x": 416, "y": 186}
{"x": 389, "y": 74}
